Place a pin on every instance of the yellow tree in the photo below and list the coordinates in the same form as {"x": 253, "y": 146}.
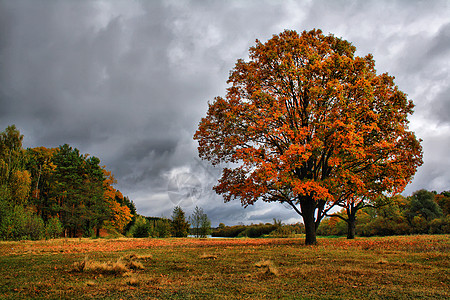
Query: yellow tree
{"x": 307, "y": 123}
{"x": 120, "y": 214}
{"x": 15, "y": 181}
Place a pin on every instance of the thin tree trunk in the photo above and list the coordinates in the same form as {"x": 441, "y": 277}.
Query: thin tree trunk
{"x": 37, "y": 181}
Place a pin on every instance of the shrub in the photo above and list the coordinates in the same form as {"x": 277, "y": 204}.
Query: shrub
{"x": 254, "y": 231}
{"x": 34, "y": 226}
{"x": 228, "y": 231}
{"x": 332, "y": 226}
{"x": 162, "y": 228}
{"x": 283, "y": 232}
{"x": 141, "y": 228}
{"x": 54, "y": 228}
{"x": 22, "y": 224}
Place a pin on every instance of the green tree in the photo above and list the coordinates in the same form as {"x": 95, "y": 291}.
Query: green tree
{"x": 42, "y": 195}
{"x": 385, "y": 219}
{"x": 15, "y": 185}
{"x": 351, "y": 207}
{"x": 15, "y": 181}
{"x": 79, "y": 191}
{"x": 95, "y": 209}
{"x": 53, "y": 228}
{"x": 333, "y": 225}
{"x": 141, "y": 228}
{"x": 162, "y": 228}
{"x": 68, "y": 179}
{"x": 422, "y": 210}
{"x": 307, "y": 123}
{"x": 201, "y": 225}
{"x": 12, "y": 156}
{"x": 180, "y": 227}
{"x": 422, "y": 203}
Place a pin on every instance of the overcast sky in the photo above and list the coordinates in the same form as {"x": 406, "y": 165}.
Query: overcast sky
{"x": 128, "y": 81}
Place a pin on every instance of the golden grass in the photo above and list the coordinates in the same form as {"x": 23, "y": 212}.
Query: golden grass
{"x": 132, "y": 281}
{"x": 123, "y": 265}
{"x": 410, "y": 267}
{"x": 268, "y": 267}
{"x": 208, "y": 256}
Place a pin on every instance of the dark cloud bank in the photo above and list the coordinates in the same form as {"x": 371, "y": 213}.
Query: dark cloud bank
{"x": 128, "y": 81}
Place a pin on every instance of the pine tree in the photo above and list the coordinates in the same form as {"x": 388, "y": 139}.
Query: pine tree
{"x": 180, "y": 227}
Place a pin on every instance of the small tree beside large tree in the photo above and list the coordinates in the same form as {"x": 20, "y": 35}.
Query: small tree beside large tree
{"x": 307, "y": 123}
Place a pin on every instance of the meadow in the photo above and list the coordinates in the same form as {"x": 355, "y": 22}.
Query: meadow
{"x": 402, "y": 267}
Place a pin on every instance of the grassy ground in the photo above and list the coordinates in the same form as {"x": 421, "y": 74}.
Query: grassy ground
{"x": 413, "y": 267}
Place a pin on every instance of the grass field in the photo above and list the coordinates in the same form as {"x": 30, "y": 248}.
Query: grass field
{"x": 412, "y": 267}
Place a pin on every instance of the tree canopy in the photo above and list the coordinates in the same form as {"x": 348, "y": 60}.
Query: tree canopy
{"x": 307, "y": 123}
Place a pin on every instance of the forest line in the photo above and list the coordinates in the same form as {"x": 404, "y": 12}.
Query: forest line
{"x": 58, "y": 192}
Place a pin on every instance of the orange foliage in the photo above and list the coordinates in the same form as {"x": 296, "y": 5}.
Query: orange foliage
{"x": 306, "y": 121}
{"x": 121, "y": 214}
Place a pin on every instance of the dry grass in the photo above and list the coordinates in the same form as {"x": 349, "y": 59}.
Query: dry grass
{"x": 90, "y": 283}
{"x": 123, "y": 265}
{"x": 382, "y": 261}
{"x": 412, "y": 267}
{"x": 92, "y": 266}
{"x": 268, "y": 267}
{"x": 145, "y": 257}
{"x": 208, "y": 256}
{"x": 132, "y": 281}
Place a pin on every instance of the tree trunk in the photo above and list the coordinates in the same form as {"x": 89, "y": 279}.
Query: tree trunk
{"x": 351, "y": 227}
{"x": 308, "y": 208}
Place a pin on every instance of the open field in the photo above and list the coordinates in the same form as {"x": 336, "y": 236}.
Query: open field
{"x": 413, "y": 267}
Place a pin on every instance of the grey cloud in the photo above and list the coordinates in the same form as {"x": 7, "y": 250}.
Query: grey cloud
{"x": 128, "y": 81}
{"x": 439, "y": 108}
{"x": 440, "y": 45}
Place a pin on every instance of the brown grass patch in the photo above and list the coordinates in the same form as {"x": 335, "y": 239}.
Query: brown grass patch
{"x": 135, "y": 265}
{"x": 208, "y": 256}
{"x": 268, "y": 267}
{"x": 121, "y": 266}
{"x": 132, "y": 281}
{"x": 382, "y": 261}
{"x": 90, "y": 283}
{"x": 145, "y": 257}
{"x": 108, "y": 267}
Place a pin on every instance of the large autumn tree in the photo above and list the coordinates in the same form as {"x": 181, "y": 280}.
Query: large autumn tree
{"x": 307, "y": 123}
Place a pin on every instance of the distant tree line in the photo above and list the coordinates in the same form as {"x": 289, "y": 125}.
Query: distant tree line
{"x": 277, "y": 229}
{"x": 424, "y": 212}
{"x": 52, "y": 192}
{"x": 177, "y": 226}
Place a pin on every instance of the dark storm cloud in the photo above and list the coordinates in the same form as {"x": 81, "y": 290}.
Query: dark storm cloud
{"x": 128, "y": 81}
